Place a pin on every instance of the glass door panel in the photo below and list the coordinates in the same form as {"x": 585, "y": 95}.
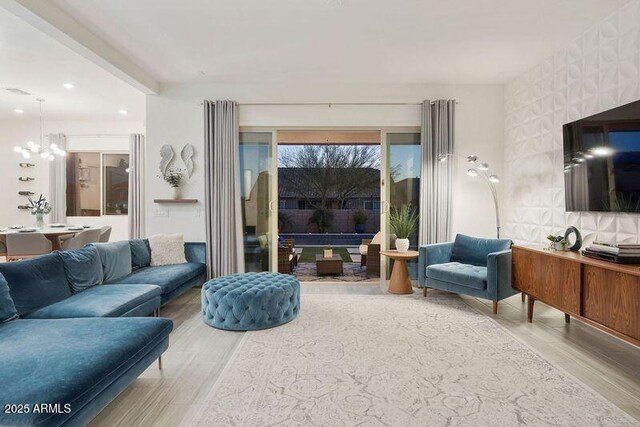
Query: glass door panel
{"x": 256, "y": 183}
{"x": 403, "y": 184}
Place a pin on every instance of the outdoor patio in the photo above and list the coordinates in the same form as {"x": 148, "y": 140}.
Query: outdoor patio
{"x": 352, "y": 271}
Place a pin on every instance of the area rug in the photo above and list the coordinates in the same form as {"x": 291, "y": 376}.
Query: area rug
{"x": 397, "y": 361}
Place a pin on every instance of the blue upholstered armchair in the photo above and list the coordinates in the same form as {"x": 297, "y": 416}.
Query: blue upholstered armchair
{"x": 468, "y": 266}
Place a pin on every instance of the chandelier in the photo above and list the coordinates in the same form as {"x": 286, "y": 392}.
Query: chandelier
{"x": 31, "y": 148}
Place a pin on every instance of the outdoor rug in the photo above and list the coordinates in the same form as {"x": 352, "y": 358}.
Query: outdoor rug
{"x": 396, "y": 361}
{"x": 353, "y": 272}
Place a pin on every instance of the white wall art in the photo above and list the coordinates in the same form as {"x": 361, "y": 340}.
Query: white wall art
{"x": 166, "y": 156}
{"x": 187, "y": 153}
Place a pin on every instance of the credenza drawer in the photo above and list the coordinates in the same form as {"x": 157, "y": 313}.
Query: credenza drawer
{"x": 611, "y": 299}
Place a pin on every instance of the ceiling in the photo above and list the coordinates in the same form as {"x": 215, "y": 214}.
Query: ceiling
{"x": 370, "y": 41}
{"x": 35, "y": 63}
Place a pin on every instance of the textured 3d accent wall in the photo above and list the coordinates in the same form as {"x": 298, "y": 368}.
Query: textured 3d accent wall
{"x": 597, "y": 72}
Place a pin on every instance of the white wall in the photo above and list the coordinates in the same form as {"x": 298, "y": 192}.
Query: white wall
{"x": 82, "y": 136}
{"x": 175, "y": 117}
{"x": 597, "y": 72}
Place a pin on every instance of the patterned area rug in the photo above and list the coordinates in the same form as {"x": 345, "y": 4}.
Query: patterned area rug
{"x": 396, "y": 361}
{"x": 352, "y": 272}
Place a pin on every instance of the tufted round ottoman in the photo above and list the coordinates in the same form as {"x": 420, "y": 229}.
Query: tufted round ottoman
{"x": 250, "y": 301}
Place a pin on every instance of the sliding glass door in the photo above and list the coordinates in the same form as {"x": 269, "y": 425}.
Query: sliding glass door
{"x": 401, "y": 169}
{"x": 257, "y": 180}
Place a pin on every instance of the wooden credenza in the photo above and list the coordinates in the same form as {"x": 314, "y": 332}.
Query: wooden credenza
{"x": 603, "y": 294}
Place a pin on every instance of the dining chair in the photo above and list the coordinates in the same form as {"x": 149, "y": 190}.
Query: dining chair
{"x": 27, "y": 245}
{"x": 81, "y": 239}
{"x": 105, "y": 234}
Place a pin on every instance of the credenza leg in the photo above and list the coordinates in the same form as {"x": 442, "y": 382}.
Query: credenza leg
{"x": 495, "y": 307}
{"x": 567, "y": 318}
{"x": 530, "y": 302}
{"x": 523, "y": 296}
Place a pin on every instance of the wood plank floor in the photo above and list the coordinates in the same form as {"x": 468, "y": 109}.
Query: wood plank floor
{"x": 198, "y": 353}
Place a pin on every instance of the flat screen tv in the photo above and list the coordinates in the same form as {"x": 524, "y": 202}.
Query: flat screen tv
{"x": 602, "y": 161}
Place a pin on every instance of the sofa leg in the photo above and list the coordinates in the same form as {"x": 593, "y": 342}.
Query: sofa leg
{"x": 523, "y": 296}
{"x": 424, "y": 291}
{"x": 495, "y": 307}
{"x": 160, "y": 362}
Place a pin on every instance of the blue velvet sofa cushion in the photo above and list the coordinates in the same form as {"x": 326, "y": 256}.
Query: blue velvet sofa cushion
{"x": 7, "y": 308}
{"x": 250, "y": 301}
{"x": 168, "y": 277}
{"x": 116, "y": 259}
{"x": 83, "y": 268}
{"x": 36, "y": 282}
{"x": 73, "y": 361}
{"x": 140, "y": 253}
{"x": 474, "y": 251}
{"x": 104, "y": 301}
{"x": 468, "y": 275}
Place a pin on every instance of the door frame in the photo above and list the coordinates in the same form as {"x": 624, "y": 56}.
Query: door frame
{"x": 384, "y": 173}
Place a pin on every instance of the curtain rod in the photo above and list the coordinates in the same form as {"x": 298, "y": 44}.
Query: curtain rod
{"x": 328, "y": 104}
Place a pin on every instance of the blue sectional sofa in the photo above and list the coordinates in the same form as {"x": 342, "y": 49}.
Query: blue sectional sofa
{"x": 468, "y": 266}
{"x": 72, "y": 329}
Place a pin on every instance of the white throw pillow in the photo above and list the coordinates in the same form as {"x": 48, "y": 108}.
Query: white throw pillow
{"x": 167, "y": 249}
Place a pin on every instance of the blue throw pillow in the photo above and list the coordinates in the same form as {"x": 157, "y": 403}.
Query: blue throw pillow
{"x": 37, "y": 282}
{"x": 116, "y": 259}
{"x": 83, "y": 268}
{"x": 140, "y": 253}
{"x": 474, "y": 251}
{"x": 7, "y": 308}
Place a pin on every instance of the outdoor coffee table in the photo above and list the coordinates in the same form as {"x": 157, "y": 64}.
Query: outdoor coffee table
{"x": 332, "y": 266}
{"x": 400, "y": 282}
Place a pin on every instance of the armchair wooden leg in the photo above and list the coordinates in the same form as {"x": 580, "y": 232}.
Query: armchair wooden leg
{"x": 495, "y": 307}
{"x": 424, "y": 291}
{"x": 523, "y": 296}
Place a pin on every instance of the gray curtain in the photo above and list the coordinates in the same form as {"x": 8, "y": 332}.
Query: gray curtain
{"x": 136, "y": 186}
{"x": 222, "y": 190}
{"x": 436, "y": 181}
{"x": 58, "y": 181}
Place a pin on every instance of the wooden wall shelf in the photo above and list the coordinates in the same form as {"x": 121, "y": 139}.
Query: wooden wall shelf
{"x": 175, "y": 201}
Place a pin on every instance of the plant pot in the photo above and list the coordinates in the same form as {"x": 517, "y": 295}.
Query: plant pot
{"x": 402, "y": 245}
{"x": 177, "y": 193}
{"x": 359, "y": 228}
{"x": 558, "y": 246}
{"x": 327, "y": 253}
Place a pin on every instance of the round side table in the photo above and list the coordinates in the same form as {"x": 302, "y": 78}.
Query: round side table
{"x": 400, "y": 282}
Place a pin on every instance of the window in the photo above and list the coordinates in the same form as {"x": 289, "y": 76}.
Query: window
{"x": 97, "y": 183}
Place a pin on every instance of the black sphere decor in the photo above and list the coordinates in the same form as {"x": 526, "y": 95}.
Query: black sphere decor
{"x": 578, "y": 243}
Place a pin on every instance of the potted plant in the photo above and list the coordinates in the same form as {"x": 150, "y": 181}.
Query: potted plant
{"x": 39, "y": 208}
{"x": 360, "y": 219}
{"x": 403, "y": 223}
{"x": 174, "y": 177}
{"x": 557, "y": 243}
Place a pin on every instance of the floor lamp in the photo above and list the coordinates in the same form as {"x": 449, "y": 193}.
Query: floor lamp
{"x": 480, "y": 170}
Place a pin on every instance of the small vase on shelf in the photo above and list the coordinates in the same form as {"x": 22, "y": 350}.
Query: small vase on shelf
{"x": 177, "y": 193}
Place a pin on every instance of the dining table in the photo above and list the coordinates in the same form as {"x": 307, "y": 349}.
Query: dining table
{"x": 52, "y": 233}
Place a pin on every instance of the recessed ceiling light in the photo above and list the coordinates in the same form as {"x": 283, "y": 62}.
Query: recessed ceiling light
{"x": 68, "y": 85}
{"x": 124, "y": 112}
{"x": 19, "y": 110}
